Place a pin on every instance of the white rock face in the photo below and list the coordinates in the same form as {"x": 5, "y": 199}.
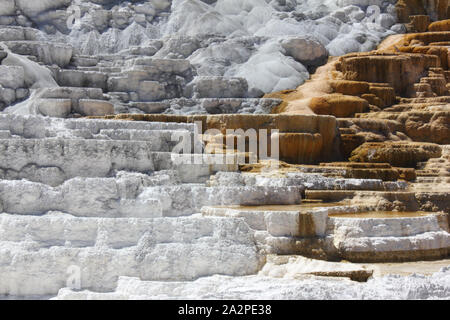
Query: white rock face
{"x": 276, "y": 223}
{"x": 58, "y": 108}
{"x": 218, "y": 87}
{"x": 7, "y": 8}
{"x": 45, "y": 52}
{"x": 89, "y": 107}
{"x": 105, "y": 249}
{"x": 34, "y": 8}
{"x": 412, "y": 287}
{"x": 270, "y": 44}
{"x": 60, "y": 214}
{"x": 306, "y": 51}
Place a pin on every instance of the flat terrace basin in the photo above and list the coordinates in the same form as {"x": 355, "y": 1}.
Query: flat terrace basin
{"x": 381, "y": 215}
{"x": 291, "y": 207}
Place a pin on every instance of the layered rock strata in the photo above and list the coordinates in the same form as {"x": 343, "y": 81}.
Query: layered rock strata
{"x": 107, "y": 200}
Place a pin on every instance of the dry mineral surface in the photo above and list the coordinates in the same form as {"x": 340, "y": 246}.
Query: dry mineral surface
{"x": 339, "y": 189}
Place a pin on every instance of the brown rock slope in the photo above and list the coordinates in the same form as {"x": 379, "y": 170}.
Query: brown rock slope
{"x": 398, "y": 93}
{"x": 396, "y": 153}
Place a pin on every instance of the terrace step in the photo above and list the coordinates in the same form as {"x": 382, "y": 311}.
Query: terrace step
{"x": 207, "y": 106}
{"x": 339, "y": 195}
{"x": 47, "y": 53}
{"x": 425, "y": 246}
{"x": 104, "y": 249}
{"x": 99, "y": 158}
{"x": 127, "y": 195}
{"x": 37, "y": 127}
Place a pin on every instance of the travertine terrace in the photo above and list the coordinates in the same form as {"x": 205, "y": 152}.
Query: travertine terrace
{"x": 353, "y": 96}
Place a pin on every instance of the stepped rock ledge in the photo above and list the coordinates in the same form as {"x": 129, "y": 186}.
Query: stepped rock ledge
{"x": 225, "y": 149}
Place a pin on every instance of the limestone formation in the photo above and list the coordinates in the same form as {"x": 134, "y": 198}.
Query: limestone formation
{"x": 242, "y": 51}
{"x": 443, "y": 25}
{"x": 302, "y": 138}
{"x": 224, "y": 149}
{"x": 301, "y": 288}
{"x": 399, "y": 154}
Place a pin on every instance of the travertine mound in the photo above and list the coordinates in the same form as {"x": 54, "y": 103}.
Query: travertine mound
{"x": 302, "y": 138}
{"x": 338, "y": 105}
{"x": 400, "y": 154}
{"x": 110, "y": 199}
{"x": 115, "y": 202}
{"x": 375, "y": 77}
{"x": 430, "y": 124}
{"x": 236, "y": 49}
{"x": 443, "y": 25}
{"x": 303, "y": 288}
{"x": 401, "y": 91}
{"x": 435, "y": 9}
